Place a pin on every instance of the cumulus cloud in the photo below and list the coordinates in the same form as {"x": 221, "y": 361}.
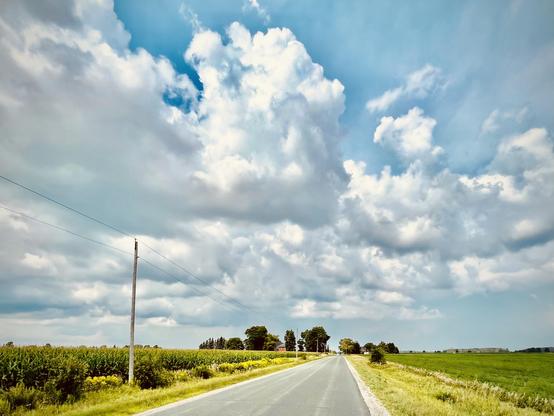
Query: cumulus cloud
{"x": 410, "y": 136}
{"x": 245, "y": 185}
{"x": 418, "y": 84}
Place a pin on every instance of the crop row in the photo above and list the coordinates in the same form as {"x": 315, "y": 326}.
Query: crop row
{"x": 33, "y": 366}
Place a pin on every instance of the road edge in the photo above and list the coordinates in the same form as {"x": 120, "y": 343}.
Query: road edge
{"x": 374, "y": 405}
{"x": 219, "y": 390}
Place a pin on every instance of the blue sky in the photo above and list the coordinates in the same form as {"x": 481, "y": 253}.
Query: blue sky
{"x": 382, "y": 168}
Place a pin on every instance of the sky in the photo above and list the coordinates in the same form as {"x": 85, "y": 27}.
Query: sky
{"x": 383, "y": 169}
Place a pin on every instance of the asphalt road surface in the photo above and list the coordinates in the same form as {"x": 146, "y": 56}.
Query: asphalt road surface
{"x": 321, "y": 388}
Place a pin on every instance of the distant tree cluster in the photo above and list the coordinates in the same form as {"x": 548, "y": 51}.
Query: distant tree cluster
{"x": 259, "y": 338}
{"x": 538, "y": 349}
{"x": 387, "y": 347}
{"x": 213, "y": 344}
{"x": 315, "y": 339}
{"x": 349, "y": 346}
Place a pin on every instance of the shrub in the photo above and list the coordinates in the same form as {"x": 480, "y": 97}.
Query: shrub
{"x": 303, "y": 356}
{"x": 149, "y": 373}
{"x": 202, "y": 371}
{"x": 66, "y": 381}
{"x": 446, "y": 397}
{"x": 102, "y": 382}
{"x": 181, "y": 375}
{"x": 378, "y": 356}
{"x": 227, "y": 367}
{"x": 21, "y": 396}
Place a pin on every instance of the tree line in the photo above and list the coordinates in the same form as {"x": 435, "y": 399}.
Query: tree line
{"x": 349, "y": 346}
{"x": 259, "y": 338}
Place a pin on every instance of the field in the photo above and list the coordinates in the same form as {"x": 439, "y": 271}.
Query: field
{"x": 472, "y": 384}
{"x": 528, "y": 373}
{"x": 55, "y": 378}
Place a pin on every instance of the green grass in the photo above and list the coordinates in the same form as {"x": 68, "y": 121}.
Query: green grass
{"x": 127, "y": 400}
{"x": 408, "y": 391}
{"x": 527, "y": 373}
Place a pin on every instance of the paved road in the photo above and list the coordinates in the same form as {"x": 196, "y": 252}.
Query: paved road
{"x": 321, "y": 388}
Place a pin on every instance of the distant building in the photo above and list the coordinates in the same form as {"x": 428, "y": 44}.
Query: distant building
{"x": 476, "y": 350}
{"x": 280, "y": 347}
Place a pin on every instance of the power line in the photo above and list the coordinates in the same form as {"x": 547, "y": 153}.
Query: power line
{"x": 57, "y": 227}
{"x": 191, "y": 274}
{"x": 92, "y": 240}
{"x": 91, "y": 218}
{"x": 180, "y": 281}
{"x": 65, "y": 206}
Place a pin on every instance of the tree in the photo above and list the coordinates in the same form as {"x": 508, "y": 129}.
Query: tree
{"x": 345, "y": 345}
{"x": 290, "y": 340}
{"x": 369, "y": 346}
{"x": 392, "y": 349}
{"x": 255, "y": 337}
{"x": 271, "y": 342}
{"x": 315, "y": 339}
{"x": 356, "y": 349}
{"x": 234, "y": 344}
{"x": 220, "y": 343}
{"x": 300, "y": 344}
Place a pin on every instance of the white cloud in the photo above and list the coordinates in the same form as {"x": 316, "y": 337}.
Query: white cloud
{"x": 191, "y": 17}
{"x": 37, "y": 262}
{"x": 246, "y": 187}
{"x": 496, "y": 119}
{"x": 418, "y": 84}
{"x": 409, "y": 135}
{"x": 258, "y": 8}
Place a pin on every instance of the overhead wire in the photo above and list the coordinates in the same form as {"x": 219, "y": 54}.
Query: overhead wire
{"x": 57, "y": 227}
{"x": 120, "y": 231}
{"x": 92, "y": 240}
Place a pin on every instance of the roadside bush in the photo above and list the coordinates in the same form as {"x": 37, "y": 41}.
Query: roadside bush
{"x": 227, "y": 368}
{"x": 377, "y": 356}
{"x": 66, "y": 381}
{"x": 102, "y": 382}
{"x": 21, "y": 396}
{"x": 149, "y": 373}
{"x": 202, "y": 371}
{"x": 181, "y": 375}
{"x": 303, "y": 356}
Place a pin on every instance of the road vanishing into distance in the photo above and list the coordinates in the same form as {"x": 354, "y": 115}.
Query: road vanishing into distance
{"x": 320, "y": 388}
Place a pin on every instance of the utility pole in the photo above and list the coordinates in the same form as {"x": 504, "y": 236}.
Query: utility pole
{"x": 296, "y": 343}
{"x": 133, "y": 298}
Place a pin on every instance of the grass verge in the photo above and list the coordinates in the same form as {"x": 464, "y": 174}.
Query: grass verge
{"x": 127, "y": 400}
{"x": 411, "y": 391}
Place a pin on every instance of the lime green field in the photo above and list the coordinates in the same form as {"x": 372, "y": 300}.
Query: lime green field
{"x": 528, "y": 373}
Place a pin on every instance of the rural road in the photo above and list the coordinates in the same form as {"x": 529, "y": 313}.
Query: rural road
{"x": 321, "y": 388}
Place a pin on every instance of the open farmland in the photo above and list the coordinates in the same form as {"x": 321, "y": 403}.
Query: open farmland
{"x": 527, "y": 373}
{"x": 408, "y": 390}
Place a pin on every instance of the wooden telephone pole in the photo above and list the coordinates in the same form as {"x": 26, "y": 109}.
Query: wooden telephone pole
{"x": 133, "y": 298}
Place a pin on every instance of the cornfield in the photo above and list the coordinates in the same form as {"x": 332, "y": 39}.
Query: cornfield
{"x": 33, "y": 366}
